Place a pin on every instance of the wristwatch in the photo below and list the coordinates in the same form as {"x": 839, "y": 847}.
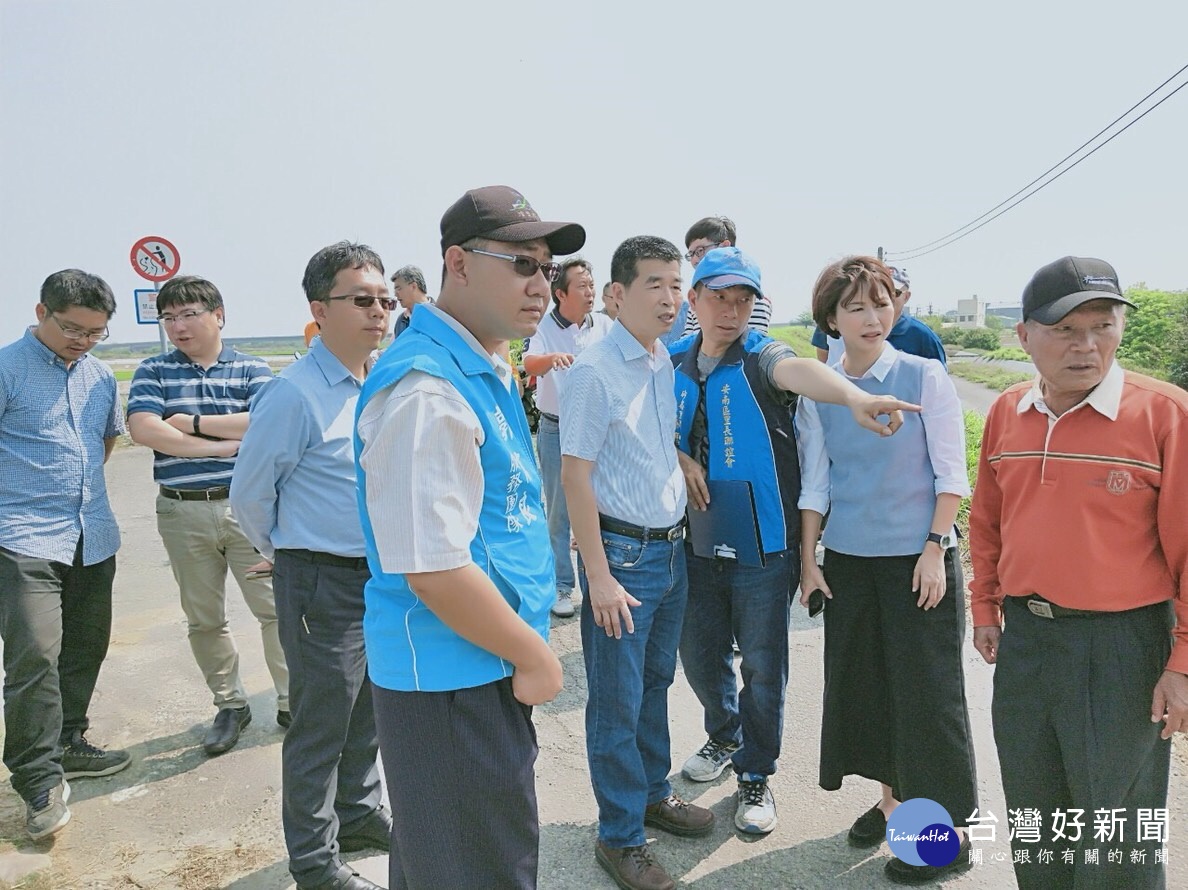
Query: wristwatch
{"x": 945, "y": 541}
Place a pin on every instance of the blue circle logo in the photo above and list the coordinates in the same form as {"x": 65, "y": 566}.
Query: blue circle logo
{"x": 920, "y": 832}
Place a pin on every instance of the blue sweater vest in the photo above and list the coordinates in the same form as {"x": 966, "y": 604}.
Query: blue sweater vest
{"x": 882, "y": 491}
{"x": 751, "y": 435}
{"x": 408, "y": 647}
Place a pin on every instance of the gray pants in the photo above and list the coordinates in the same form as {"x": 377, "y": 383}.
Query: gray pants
{"x": 55, "y": 620}
{"x": 1072, "y": 702}
{"x": 329, "y": 759}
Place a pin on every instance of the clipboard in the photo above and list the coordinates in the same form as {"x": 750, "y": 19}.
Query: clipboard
{"x": 729, "y": 527}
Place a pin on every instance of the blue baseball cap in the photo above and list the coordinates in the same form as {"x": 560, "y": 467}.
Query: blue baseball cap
{"x": 728, "y": 266}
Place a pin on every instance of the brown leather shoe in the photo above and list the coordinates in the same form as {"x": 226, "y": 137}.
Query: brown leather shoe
{"x": 678, "y": 817}
{"x": 633, "y": 868}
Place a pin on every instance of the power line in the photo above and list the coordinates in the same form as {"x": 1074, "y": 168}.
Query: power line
{"x": 911, "y": 253}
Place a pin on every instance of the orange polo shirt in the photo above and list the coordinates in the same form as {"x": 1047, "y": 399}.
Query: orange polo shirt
{"x": 1089, "y": 510}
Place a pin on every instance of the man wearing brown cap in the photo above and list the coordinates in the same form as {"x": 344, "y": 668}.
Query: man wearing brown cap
{"x": 1080, "y": 547}
{"x": 462, "y": 574}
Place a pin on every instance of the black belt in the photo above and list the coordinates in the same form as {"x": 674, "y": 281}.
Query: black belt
{"x": 627, "y": 530}
{"x": 196, "y": 494}
{"x": 354, "y": 563}
{"x": 553, "y": 417}
{"x": 1042, "y": 608}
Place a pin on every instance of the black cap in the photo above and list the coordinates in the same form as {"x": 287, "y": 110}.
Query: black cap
{"x": 1060, "y": 287}
{"x": 503, "y": 214}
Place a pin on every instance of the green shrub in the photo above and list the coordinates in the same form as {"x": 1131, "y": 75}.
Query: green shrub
{"x": 979, "y": 338}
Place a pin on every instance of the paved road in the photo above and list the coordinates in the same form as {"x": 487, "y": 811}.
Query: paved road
{"x": 177, "y": 820}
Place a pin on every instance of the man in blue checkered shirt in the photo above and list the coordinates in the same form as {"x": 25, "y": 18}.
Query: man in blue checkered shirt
{"x": 59, "y": 418}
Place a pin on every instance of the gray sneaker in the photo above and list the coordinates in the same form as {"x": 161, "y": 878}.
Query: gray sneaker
{"x": 47, "y": 812}
{"x": 707, "y": 764}
{"x": 81, "y": 759}
{"x": 563, "y": 607}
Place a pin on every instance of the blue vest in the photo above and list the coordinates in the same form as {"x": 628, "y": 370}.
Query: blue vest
{"x": 882, "y": 491}
{"x": 408, "y": 647}
{"x": 750, "y": 434}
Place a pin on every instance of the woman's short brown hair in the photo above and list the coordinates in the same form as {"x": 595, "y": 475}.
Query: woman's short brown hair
{"x": 846, "y": 280}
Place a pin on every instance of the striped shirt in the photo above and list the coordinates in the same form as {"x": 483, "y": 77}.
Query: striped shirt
{"x": 53, "y": 423}
{"x": 170, "y": 384}
{"x": 620, "y": 413}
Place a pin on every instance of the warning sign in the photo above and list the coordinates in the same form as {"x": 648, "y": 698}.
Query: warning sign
{"x": 155, "y": 258}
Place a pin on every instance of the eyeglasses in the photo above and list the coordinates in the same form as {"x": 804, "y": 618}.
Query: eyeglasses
{"x": 525, "y": 266}
{"x": 698, "y": 252}
{"x": 188, "y": 316}
{"x": 73, "y": 333}
{"x": 364, "y": 301}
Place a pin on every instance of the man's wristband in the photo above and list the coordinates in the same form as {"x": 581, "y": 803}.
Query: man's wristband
{"x": 197, "y": 430}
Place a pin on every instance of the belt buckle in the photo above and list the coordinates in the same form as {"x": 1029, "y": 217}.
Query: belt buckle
{"x": 1040, "y": 608}
{"x": 676, "y": 533}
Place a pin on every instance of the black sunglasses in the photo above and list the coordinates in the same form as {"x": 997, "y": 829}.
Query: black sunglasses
{"x": 525, "y": 266}
{"x": 364, "y": 301}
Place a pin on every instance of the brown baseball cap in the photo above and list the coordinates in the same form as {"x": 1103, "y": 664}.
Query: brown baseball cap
{"x": 503, "y": 214}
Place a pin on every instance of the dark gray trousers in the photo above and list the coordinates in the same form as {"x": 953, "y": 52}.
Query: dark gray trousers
{"x": 55, "y": 620}
{"x": 462, "y": 783}
{"x": 328, "y": 761}
{"x": 1072, "y": 723}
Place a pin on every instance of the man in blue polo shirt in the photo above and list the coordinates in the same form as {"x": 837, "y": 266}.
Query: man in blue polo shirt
{"x": 191, "y": 407}
{"x": 908, "y": 334}
{"x": 59, "y": 419}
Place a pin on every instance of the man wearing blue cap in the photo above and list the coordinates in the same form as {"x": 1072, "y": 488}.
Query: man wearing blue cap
{"x": 736, "y": 393}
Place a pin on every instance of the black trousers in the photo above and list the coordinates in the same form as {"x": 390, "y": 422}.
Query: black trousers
{"x": 55, "y": 620}
{"x": 1072, "y": 723}
{"x": 895, "y": 708}
{"x": 460, "y": 767}
{"x": 329, "y": 758}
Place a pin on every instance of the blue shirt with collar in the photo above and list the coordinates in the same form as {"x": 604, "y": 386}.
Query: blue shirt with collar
{"x": 53, "y": 423}
{"x": 294, "y": 481}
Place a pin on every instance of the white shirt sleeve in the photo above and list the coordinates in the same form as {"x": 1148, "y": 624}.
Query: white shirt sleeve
{"x": 944, "y": 430}
{"x": 587, "y": 416}
{"x": 424, "y": 492}
{"x": 814, "y": 461}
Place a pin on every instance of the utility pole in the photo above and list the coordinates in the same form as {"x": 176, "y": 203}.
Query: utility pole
{"x": 880, "y": 254}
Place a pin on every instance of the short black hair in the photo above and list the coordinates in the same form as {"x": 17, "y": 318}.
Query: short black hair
{"x": 625, "y": 262}
{"x": 562, "y": 283}
{"x": 713, "y": 228}
{"x": 329, "y": 261}
{"x": 411, "y": 275}
{"x": 74, "y": 287}
{"x": 186, "y": 289}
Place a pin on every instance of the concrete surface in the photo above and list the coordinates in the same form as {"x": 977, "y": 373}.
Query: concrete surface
{"x": 178, "y": 820}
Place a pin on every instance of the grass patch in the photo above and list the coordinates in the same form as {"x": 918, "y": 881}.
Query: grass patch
{"x": 798, "y": 337}
{"x": 974, "y": 423}
{"x": 987, "y": 375}
{"x": 1009, "y": 354}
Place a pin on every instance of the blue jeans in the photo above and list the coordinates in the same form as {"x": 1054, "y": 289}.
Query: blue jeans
{"x": 728, "y": 602}
{"x": 627, "y": 685}
{"x": 548, "y": 443}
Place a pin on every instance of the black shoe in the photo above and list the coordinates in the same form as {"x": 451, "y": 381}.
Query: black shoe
{"x": 901, "y": 872}
{"x": 869, "y": 829}
{"x": 284, "y": 718}
{"x": 344, "y": 879}
{"x": 224, "y": 732}
{"x": 372, "y": 833}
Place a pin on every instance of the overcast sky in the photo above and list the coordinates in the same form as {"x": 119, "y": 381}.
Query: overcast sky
{"x": 253, "y": 133}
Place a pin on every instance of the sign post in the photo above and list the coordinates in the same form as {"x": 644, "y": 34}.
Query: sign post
{"x": 155, "y": 259}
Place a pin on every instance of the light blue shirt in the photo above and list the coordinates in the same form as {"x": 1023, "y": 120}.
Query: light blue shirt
{"x": 294, "y": 481}
{"x": 620, "y": 413}
{"x": 53, "y": 423}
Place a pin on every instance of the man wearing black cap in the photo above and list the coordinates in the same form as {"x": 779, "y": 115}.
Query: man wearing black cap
{"x": 462, "y": 573}
{"x": 1079, "y": 545}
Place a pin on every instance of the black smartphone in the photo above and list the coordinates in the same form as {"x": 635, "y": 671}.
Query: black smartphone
{"x": 816, "y": 603}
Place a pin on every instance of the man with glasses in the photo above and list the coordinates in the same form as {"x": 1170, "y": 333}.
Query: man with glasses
{"x": 294, "y": 495}
{"x": 59, "y": 419}
{"x": 703, "y": 236}
{"x": 569, "y": 328}
{"x": 408, "y": 283}
{"x": 191, "y": 407}
{"x": 458, "y": 602}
